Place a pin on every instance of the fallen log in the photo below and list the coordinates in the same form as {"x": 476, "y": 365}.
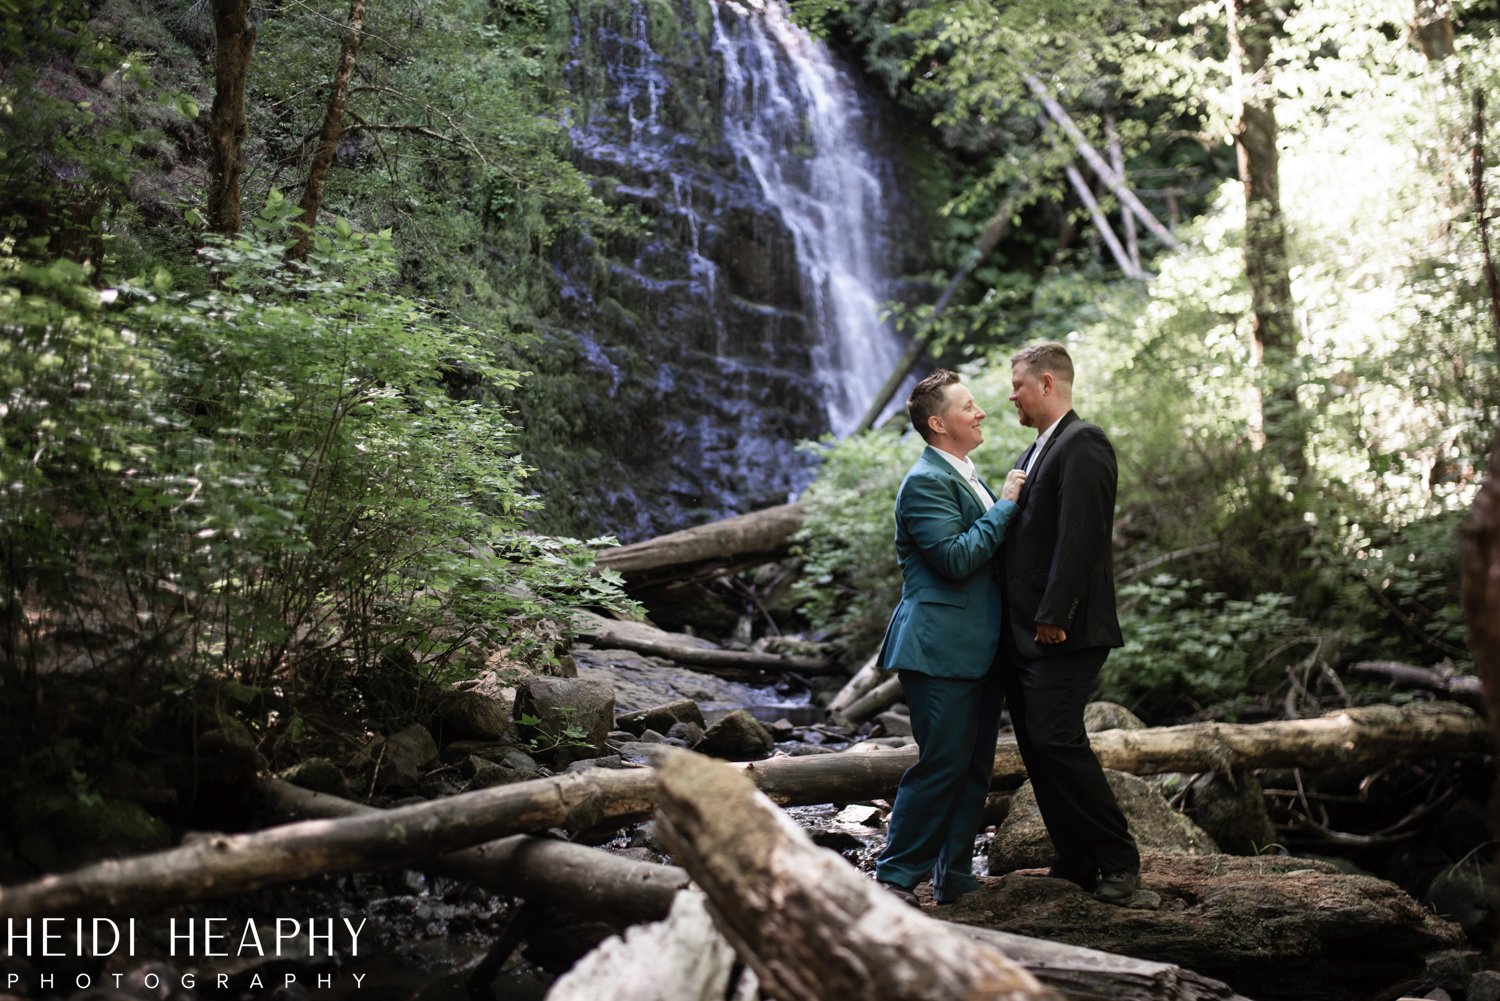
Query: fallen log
{"x": 734, "y": 663}
{"x": 1467, "y": 688}
{"x": 227, "y": 864}
{"x": 224, "y": 864}
{"x": 574, "y": 877}
{"x": 705, "y": 551}
{"x": 870, "y": 704}
{"x": 1084, "y": 974}
{"x": 810, "y": 925}
{"x": 866, "y": 678}
{"x": 683, "y": 958}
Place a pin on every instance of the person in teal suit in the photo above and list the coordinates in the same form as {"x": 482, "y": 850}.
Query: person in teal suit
{"x": 942, "y": 642}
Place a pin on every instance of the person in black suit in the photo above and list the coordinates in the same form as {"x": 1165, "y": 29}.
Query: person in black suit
{"x": 1060, "y": 623}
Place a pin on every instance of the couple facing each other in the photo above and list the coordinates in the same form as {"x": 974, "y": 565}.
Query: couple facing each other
{"x": 1004, "y": 599}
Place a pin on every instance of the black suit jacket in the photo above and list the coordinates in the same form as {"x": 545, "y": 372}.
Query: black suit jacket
{"x": 1058, "y": 558}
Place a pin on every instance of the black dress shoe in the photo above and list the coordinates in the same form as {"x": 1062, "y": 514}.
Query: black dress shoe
{"x": 902, "y": 892}
{"x": 1117, "y": 887}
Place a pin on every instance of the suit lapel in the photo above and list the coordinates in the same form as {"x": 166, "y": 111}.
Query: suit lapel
{"x": 1057, "y": 434}
{"x": 964, "y": 490}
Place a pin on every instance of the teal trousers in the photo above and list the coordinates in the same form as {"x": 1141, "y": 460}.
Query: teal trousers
{"x": 940, "y": 800}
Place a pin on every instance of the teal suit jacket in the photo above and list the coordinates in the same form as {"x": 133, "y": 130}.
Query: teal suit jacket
{"x": 949, "y": 619}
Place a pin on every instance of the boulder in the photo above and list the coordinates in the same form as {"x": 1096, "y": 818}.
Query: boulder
{"x": 473, "y": 715}
{"x": 398, "y": 759}
{"x": 738, "y": 737}
{"x": 894, "y": 724}
{"x": 319, "y": 775}
{"x": 573, "y": 717}
{"x": 688, "y": 733}
{"x": 1232, "y": 811}
{"x": 1110, "y": 716}
{"x": 1022, "y": 842}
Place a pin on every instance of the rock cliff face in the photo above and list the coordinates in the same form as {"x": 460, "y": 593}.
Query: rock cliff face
{"x": 743, "y": 314}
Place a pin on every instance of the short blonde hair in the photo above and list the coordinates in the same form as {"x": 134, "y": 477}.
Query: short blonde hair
{"x": 1049, "y": 357}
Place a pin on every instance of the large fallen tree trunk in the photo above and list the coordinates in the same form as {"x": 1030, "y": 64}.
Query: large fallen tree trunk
{"x": 706, "y": 550}
{"x": 737, "y": 664}
{"x": 811, "y": 926}
{"x": 228, "y": 864}
{"x": 802, "y": 918}
{"x": 574, "y": 877}
{"x": 224, "y": 864}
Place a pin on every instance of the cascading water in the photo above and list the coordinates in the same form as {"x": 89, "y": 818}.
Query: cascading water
{"x": 797, "y": 121}
{"x": 745, "y": 318}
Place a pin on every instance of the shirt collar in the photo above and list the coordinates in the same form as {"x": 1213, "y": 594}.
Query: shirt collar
{"x": 965, "y": 466}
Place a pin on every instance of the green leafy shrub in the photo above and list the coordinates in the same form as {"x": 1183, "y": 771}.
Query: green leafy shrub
{"x": 850, "y": 580}
{"x": 1187, "y": 647}
{"x": 269, "y": 479}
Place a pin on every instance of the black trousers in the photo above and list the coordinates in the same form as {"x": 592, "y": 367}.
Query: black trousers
{"x": 1046, "y": 697}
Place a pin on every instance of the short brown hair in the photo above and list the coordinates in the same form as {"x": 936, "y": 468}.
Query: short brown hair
{"x": 1049, "y": 357}
{"x": 926, "y": 399}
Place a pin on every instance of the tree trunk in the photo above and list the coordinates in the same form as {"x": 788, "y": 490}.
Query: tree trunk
{"x": 1128, "y": 200}
{"x": 575, "y": 877}
{"x": 1465, "y": 688}
{"x": 1433, "y": 27}
{"x": 809, "y": 924}
{"x": 866, "y": 679}
{"x": 738, "y": 664}
{"x": 994, "y": 232}
{"x": 682, "y": 958}
{"x": 232, "y": 863}
{"x": 333, "y": 125}
{"x": 227, "y": 864}
{"x": 706, "y": 550}
{"x": 1253, "y": 24}
{"x": 870, "y": 704}
{"x": 233, "y": 41}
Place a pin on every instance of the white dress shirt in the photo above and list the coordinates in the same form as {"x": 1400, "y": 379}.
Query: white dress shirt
{"x": 965, "y": 467}
{"x": 1041, "y": 443}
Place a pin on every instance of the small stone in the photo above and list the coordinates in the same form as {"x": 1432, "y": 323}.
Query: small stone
{"x": 691, "y": 734}
{"x": 661, "y": 717}
{"x": 894, "y": 724}
{"x": 783, "y": 729}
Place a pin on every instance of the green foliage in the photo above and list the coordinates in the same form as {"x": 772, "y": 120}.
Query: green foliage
{"x": 850, "y": 580}
{"x": 563, "y": 732}
{"x": 1187, "y": 647}
{"x": 268, "y": 478}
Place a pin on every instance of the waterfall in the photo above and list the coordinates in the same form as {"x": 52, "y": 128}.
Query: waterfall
{"x": 799, "y": 124}
{"x": 743, "y": 316}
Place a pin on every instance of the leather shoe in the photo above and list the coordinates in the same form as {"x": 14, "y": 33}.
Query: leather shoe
{"x": 902, "y": 892}
{"x": 1117, "y": 887}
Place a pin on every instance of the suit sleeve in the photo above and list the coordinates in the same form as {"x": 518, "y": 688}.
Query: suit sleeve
{"x": 1085, "y": 525}
{"x": 929, "y": 511}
